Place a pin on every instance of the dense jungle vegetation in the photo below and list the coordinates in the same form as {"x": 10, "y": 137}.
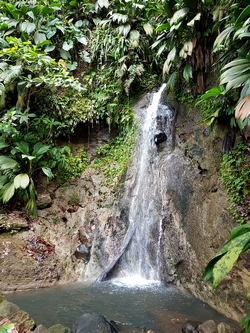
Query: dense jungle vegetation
{"x": 65, "y": 63}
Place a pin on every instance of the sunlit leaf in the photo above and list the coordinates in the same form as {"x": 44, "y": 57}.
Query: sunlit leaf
{"x": 27, "y": 27}
{"x": 178, "y": 16}
{"x": 242, "y": 110}
{"x": 22, "y": 180}
{"x": 196, "y": 18}
{"x": 68, "y": 45}
{"x": 148, "y": 29}
{"x": 103, "y": 3}
{"x": 39, "y": 37}
{"x": 6, "y": 328}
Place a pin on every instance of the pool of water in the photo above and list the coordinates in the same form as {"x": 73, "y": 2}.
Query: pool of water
{"x": 151, "y": 305}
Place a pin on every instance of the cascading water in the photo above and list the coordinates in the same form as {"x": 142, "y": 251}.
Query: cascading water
{"x": 140, "y": 252}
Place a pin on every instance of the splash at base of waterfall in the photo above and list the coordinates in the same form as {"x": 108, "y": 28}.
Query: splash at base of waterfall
{"x": 133, "y": 281}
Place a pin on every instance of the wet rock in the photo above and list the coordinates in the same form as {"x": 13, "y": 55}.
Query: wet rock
{"x": 43, "y": 201}
{"x": 15, "y": 315}
{"x": 159, "y": 138}
{"x": 208, "y": 326}
{"x": 41, "y": 329}
{"x": 188, "y": 328}
{"x": 82, "y": 252}
{"x": 93, "y": 323}
{"x": 58, "y": 328}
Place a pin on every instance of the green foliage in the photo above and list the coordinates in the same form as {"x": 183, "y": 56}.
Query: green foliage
{"x": 214, "y": 104}
{"x": 183, "y": 40}
{"x": 16, "y": 173}
{"x": 232, "y": 49}
{"x": 67, "y": 166}
{"x": 235, "y": 170}
{"x": 113, "y": 157}
{"x": 6, "y": 328}
{"x": 245, "y": 323}
{"x": 227, "y": 256}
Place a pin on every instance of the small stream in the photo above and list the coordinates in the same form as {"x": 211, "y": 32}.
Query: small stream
{"x": 149, "y": 304}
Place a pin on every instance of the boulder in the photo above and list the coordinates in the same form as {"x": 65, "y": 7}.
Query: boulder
{"x": 224, "y": 328}
{"x": 188, "y": 328}
{"x": 58, "y": 328}
{"x": 159, "y": 138}
{"x": 15, "y": 315}
{"x": 41, "y": 329}
{"x": 43, "y": 201}
{"x": 93, "y": 323}
{"x": 208, "y": 326}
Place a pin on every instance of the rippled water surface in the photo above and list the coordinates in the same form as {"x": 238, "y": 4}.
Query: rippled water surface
{"x": 150, "y": 304}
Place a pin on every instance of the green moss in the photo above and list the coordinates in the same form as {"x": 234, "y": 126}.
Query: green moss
{"x": 235, "y": 171}
{"x": 114, "y": 156}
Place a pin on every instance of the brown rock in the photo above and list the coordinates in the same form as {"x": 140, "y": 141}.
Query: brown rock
{"x": 16, "y": 316}
{"x": 208, "y": 326}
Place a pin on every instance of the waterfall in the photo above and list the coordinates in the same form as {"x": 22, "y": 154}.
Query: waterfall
{"x": 139, "y": 253}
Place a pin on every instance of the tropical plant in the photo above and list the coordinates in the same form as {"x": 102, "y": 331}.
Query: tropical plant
{"x": 17, "y": 173}
{"x": 232, "y": 47}
{"x": 185, "y": 39}
{"x": 226, "y": 257}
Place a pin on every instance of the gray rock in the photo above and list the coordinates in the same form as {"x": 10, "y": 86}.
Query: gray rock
{"x": 16, "y": 315}
{"x": 188, "y": 328}
{"x": 93, "y": 323}
{"x": 43, "y": 201}
{"x": 58, "y": 328}
{"x": 208, "y": 326}
{"x": 41, "y": 329}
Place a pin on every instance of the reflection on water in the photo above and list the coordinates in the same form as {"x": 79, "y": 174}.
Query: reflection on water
{"x": 161, "y": 309}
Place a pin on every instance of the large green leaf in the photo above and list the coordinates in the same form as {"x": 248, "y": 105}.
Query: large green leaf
{"x": 22, "y": 147}
{"x": 243, "y": 14}
{"x": 223, "y": 37}
{"x": 22, "y": 180}
{"x": 226, "y": 257}
{"x": 27, "y": 27}
{"x": 68, "y": 45}
{"x": 187, "y": 72}
{"x": 7, "y": 163}
{"x": 225, "y": 264}
{"x": 7, "y": 192}
{"x": 47, "y": 171}
{"x": 40, "y": 149}
{"x": 39, "y": 37}
{"x": 31, "y": 204}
